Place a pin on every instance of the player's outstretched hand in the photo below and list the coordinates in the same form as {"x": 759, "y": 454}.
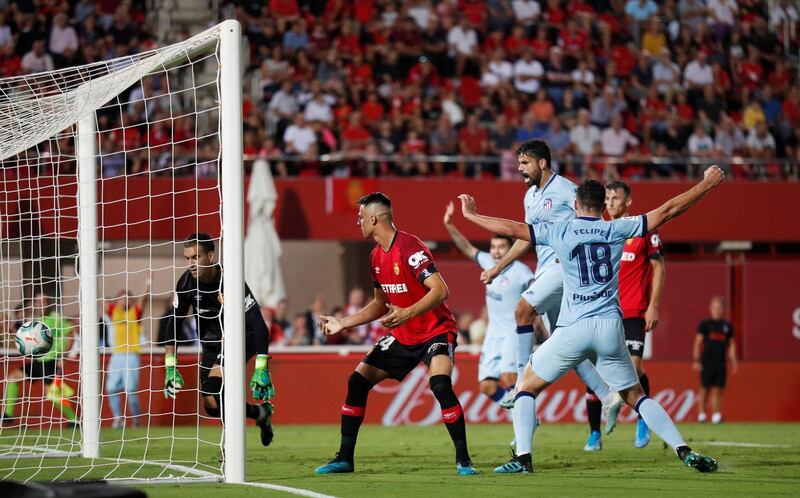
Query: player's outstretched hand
{"x": 468, "y": 205}
{"x": 396, "y": 316}
{"x": 488, "y": 275}
{"x": 448, "y": 213}
{"x": 173, "y": 381}
{"x": 330, "y": 325}
{"x": 261, "y": 382}
{"x": 714, "y": 175}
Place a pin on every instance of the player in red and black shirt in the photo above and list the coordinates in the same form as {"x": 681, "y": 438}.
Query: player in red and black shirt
{"x": 714, "y": 340}
{"x": 641, "y": 280}
{"x": 409, "y": 300}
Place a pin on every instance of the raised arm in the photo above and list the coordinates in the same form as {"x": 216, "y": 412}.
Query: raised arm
{"x": 496, "y": 225}
{"x": 464, "y": 245}
{"x": 143, "y": 299}
{"x": 678, "y": 205}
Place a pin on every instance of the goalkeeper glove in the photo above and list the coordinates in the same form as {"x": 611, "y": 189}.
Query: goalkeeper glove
{"x": 261, "y": 382}
{"x": 173, "y": 379}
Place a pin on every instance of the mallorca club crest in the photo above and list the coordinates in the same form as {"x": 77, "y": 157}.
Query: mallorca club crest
{"x": 548, "y": 204}
{"x": 396, "y": 268}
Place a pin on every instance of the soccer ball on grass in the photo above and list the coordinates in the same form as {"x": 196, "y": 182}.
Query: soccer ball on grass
{"x": 34, "y": 338}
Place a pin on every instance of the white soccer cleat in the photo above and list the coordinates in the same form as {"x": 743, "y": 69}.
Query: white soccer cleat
{"x": 612, "y": 404}
{"x": 701, "y": 417}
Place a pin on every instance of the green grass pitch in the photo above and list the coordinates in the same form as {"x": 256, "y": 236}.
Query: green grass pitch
{"x": 755, "y": 460}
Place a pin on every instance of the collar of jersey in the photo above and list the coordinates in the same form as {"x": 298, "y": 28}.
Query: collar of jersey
{"x": 588, "y": 218}
{"x": 394, "y": 237}
{"x": 548, "y": 183}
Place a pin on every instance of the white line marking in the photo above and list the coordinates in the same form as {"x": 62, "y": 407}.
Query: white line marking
{"x": 287, "y": 489}
{"x": 743, "y": 445}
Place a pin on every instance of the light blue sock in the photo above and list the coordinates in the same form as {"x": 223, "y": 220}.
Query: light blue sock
{"x": 116, "y": 405}
{"x": 659, "y": 421}
{"x": 525, "y": 338}
{"x": 523, "y": 416}
{"x": 588, "y": 374}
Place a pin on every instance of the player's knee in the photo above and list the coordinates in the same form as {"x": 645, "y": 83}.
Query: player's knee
{"x": 524, "y": 313}
{"x": 442, "y": 388}
{"x": 509, "y": 379}
{"x": 212, "y": 396}
{"x": 357, "y": 383}
{"x": 16, "y": 375}
{"x": 488, "y": 387}
{"x": 212, "y": 406}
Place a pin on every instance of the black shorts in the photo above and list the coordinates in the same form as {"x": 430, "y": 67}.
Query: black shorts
{"x": 398, "y": 359}
{"x": 41, "y": 370}
{"x": 634, "y": 335}
{"x": 713, "y": 374}
{"x": 212, "y": 355}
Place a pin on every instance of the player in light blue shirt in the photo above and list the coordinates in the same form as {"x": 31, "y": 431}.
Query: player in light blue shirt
{"x": 498, "y": 360}
{"x": 590, "y": 325}
{"x": 550, "y": 198}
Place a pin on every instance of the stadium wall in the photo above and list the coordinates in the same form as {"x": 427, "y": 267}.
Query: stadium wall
{"x": 311, "y": 388}
{"x": 322, "y": 209}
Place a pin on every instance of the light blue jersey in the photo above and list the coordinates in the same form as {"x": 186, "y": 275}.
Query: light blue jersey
{"x": 553, "y": 202}
{"x": 502, "y": 295}
{"x": 589, "y": 250}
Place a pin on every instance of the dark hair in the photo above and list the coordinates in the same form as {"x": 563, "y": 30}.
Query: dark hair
{"x": 591, "y": 194}
{"x": 507, "y": 238}
{"x": 537, "y": 149}
{"x": 201, "y": 239}
{"x": 619, "y": 185}
{"x": 376, "y": 198}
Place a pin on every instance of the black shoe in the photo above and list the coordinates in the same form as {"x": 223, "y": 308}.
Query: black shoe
{"x": 264, "y": 422}
{"x": 10, "y": 422}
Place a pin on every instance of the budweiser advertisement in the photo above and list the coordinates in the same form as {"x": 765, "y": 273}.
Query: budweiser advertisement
{"x": 311, "y": 388}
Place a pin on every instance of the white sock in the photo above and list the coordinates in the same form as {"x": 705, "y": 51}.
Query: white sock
{"x": 525, "y": 339}
{"x": 588, "y": 374}
{"x": 524, "y": 420}
{"x": 716, "y": 418}
{"x": 659, "y": 421}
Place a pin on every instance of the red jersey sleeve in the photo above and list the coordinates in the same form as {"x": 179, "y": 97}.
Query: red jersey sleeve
{"x": 654, "y": 248}
{"x": 110, "y": 309}
{"x": 417, "y": 257}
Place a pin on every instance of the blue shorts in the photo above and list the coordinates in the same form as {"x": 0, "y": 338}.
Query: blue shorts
{"x": 602, "y": 341}
{"x": 544, "y": 294}
{"x": 123, "y": 373}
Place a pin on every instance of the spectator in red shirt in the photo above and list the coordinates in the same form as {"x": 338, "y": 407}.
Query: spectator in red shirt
{"x": 372, "y": 110}
{"x": 473, "y": 141}
{"x": 554, "y": 14}
{"x": 355, "y": 138}
{"x": 751, "y": 72}
{"x": 624, "y": 58}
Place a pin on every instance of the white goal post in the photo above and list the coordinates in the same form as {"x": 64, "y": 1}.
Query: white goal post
{"x": 118, "y": 161}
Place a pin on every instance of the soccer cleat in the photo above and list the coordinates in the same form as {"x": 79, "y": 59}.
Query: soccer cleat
{"x": 264, "y": 422}
{"x": 521, "y": 464}
{"x": 508, "y": 401}
{"x": 465, "y": 468}
{"x": 642, "y": 434}
{"x": 612, "y": 404}
{"x": 716, "y": 418}
{"x": 594, "y": 443}
{"x": 697, "y": 461}
{"x": 336, "y": 466}
{"x": 701, "y": 417}
{"x": 117, "y": 423}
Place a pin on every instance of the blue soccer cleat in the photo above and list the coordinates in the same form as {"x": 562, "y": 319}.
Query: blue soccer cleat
{"x": 521, "y": 464}
{"x": 465, "y": 468}
{"x": 642, "y": 434}
{"x": 594, "y": 443}
{"x": 336, "y": 466}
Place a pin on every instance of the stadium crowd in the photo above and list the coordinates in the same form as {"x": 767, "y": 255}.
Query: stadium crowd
{"x": 379, "y": 85}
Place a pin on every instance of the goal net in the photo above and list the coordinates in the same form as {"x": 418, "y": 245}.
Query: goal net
{"x": 105, "y": 169}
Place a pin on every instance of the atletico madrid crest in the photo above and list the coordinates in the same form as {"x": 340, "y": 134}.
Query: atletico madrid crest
{"x": 396, "y": 268}
{"x": 548, "y": 204}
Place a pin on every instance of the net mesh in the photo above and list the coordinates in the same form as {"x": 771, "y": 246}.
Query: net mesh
{"x": 157, "y": 137}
